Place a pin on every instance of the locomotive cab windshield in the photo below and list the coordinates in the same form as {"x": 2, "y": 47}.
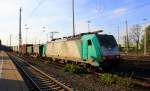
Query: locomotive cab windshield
{"x": 109, "y": 46}
{"x": 107, "y": 41}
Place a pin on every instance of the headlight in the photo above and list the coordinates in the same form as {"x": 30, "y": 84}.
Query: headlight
{"x": 104, "y": 58}
{"x": 118, "y": 56}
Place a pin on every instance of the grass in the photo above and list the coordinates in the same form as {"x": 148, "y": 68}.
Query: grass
{"x": 37, "y": 62}
{"x": 71, "y": 68}
{"x": 110, "y": 79}
{"x": 107, "y": 78}
{"x": 47, "y": 62}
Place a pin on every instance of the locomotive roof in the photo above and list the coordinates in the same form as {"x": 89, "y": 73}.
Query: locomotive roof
{"x": 78, "y": 36}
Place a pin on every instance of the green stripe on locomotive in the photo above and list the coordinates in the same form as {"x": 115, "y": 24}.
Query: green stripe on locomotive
{"x": 91, "y": 49}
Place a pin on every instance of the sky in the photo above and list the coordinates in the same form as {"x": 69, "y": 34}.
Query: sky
{"x": 56, "y": 15}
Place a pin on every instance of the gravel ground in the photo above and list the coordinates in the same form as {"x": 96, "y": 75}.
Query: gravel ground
{"x": 81, "y": 82}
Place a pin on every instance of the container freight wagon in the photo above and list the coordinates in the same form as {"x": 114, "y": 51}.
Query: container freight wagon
{"x": 24, "y": 48}
{"x": 91, "y": 48}
{"x": 38, "y": 50}
{"x": 30, "y": 50}
{"x": 15, "y": 48}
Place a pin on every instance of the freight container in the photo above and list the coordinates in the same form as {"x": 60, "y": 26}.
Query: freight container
{"x": 43, "y": 50}
{"x": 30, "y": 50}
{"x": 36, "y": 49}
{"x": 15, "y": 49}
{"x": 23, "y": 48}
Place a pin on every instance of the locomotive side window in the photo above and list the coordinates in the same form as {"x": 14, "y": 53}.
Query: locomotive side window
{"x": 89, "y": 42}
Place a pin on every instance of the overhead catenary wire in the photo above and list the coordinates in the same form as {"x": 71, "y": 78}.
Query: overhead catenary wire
{"x": 38, "y": 5}
{"x": 129, "y": 11}
{"x": 40, "y": 2}
{"x": 33, "y": 11}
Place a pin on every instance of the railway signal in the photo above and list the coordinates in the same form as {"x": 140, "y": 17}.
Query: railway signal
{"x": 27, "y": 28}
{"x": 88, "y": 25}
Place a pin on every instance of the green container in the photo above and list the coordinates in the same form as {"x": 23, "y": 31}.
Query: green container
{"x": 43, "y": 50}
{"x": 91, "y": 49}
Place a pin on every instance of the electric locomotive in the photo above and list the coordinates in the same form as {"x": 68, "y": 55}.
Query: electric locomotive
{"x": 89, "y": 48}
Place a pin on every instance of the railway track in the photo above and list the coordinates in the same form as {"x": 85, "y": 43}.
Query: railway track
{"x": 137, "y": 81}
{"x": 40, "y": 80}
{"x": 135, "y": 57}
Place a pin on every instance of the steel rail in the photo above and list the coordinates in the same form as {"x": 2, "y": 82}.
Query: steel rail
{"x": 41, "y": 80}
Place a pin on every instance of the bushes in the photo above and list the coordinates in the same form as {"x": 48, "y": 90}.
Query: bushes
{"x": 47, "y": 62}
{"x": 107, "y": 78}
{"x": 71, "y": 68}
{"x": 110, "y": 79}
{"x": 37, "y": 62}
{"x": 127, "y": 82}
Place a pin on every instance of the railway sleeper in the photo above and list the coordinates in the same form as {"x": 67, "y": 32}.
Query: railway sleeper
{"x": 39, "y": 76}
{"x": 45, "y": 80}
{"x": 54, "y": 85}
{"x": 46, "y": 84}
{"x": 62, "y": 90}
{"x": 48, "y": 81}
{"x": 37, "y": 73}
{"x": 58, "y": 88}
{"x": 46, "y": 88}
{"x": 42, "y": 78}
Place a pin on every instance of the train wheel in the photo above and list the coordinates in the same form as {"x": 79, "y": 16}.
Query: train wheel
{"x": 99, "y": 69}
{"x": 116, "y": 63}
{"x": 88, "y": 67}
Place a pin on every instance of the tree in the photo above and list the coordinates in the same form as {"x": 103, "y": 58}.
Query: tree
{"x": 135, "y": 34}
{"x": 142, "y": 43}
{"x": 147, "y": 29}
{"x": 125, "y": 44}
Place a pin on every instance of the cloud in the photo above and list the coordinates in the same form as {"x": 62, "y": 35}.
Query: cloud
{"x": 119, "y": 11}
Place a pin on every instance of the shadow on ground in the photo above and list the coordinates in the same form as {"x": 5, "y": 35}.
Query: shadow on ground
{"x": 138, "y": 69}
{"x": 12, "y": 85}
